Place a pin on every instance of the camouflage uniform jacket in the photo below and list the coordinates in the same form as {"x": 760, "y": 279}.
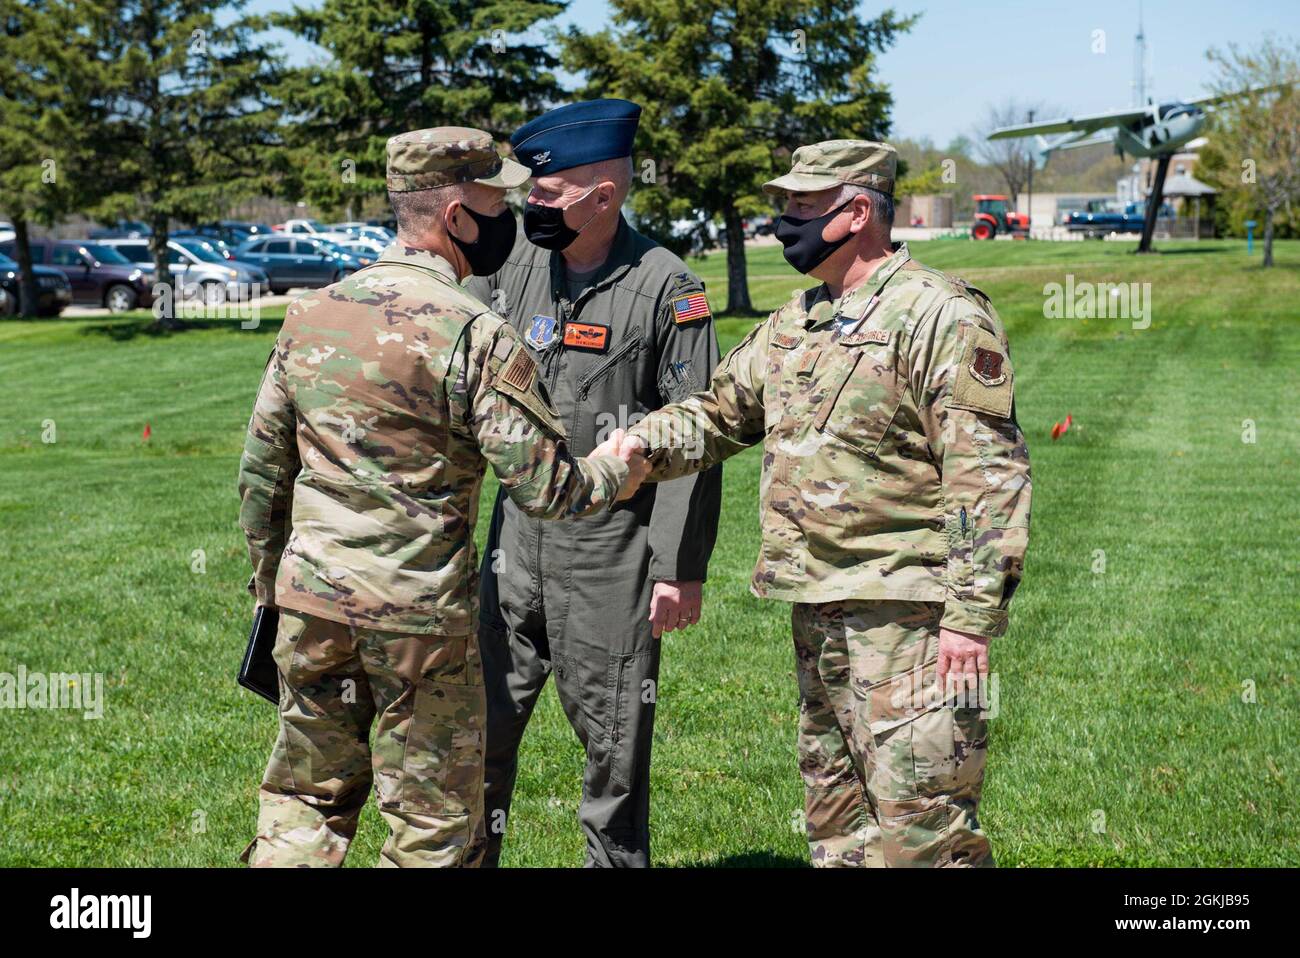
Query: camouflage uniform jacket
{"x": 383, "y": 400}
{"x": 893, "y": 467}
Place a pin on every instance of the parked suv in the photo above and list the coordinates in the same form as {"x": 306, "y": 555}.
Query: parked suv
{"x": 53, "y": 290}
{"x": 195, "y": 263}
{"x": 99, "y": 275}
{"x": 305, "y": 227}
{"x": 290, "y": 261}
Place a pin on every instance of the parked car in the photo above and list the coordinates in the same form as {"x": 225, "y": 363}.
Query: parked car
{"x": 195, "y": 263}
{"x": 221, "y": 247}
{"x": 364, "y": 252}
{"x": 53, "y": 290}
{"x": 295, "y": 261}
{"x": 6, "y": 232}
{"x": 1101, "y": 217}
{"x": 122, "y": 229}
{"x": 99, "y": 275}
{"x": 351, "y": 261}
{"x": 214, "y": 234}
{"x": 700, "y": 233}
{"x": 380, "y": 234}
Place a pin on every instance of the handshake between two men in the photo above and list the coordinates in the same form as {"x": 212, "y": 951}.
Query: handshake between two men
{"x": 894, "y": 509}
{"x": 631, "y": 450}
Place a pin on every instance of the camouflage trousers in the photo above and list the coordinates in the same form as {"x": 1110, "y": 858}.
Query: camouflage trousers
{"x": 892, "y": 775}
{"x": 426, "y": 692}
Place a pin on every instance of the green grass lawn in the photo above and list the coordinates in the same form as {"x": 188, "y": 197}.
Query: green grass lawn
{"x": 1124, "y": 733}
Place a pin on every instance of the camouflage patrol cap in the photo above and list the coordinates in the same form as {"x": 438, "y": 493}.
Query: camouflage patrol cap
{"x": 821, "y": 166}
{"x": 447, "y": 155}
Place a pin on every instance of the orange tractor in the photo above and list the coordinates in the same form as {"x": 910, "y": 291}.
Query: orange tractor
{"x": 993, "y": 215}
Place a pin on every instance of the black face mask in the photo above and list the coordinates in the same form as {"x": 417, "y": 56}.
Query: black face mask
{"x": 545, "y": 226}
{"x": 496, "y": 237}
{"x": 802, "y": 238}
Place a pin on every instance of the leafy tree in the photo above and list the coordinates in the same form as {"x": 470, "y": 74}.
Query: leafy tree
{"x": 1011, "y": 158}
{"x": 1254, "y": 152}
{"x": 728, "y": 89}
{"x": 406, "y": 65}
{"x": 45, "y": 141}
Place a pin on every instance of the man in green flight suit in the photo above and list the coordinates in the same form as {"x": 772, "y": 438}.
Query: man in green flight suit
{"x": 618, "y": 326}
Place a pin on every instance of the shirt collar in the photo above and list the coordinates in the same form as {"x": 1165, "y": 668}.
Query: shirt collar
{"x": 399, "y": 252}
{"x": 616, "y": 263}
{"x": 821, "y": 308}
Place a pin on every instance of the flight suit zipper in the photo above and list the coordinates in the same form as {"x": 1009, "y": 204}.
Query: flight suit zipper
{"x": 584, "y": 384}
{"x": 553, "y": 377}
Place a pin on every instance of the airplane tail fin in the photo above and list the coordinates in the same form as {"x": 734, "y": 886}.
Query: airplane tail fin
{"x": 1042, "y": 152}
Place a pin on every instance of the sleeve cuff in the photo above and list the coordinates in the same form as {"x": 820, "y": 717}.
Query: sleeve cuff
{"x": 661, "y": 574}
{"x": 619, "y": 469}
{"x": 263, "y": 590}
{"x": 975, "y": 619}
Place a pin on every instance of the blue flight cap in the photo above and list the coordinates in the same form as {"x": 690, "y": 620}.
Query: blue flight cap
{"x": 574, "y": 135}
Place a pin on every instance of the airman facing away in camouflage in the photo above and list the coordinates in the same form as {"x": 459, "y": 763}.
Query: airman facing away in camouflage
{"x": 385, "y": 398}
{"x": 895, "y": 511}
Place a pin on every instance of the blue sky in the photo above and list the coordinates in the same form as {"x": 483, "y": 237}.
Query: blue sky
{"x": 963, "y": 55}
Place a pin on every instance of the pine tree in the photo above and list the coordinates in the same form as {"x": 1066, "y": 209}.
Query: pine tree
{"x": 729, "y": 88}
{"x": 406, "y": 65}
{"x": 46, "y": 140}
{"x": 182, "y": 89}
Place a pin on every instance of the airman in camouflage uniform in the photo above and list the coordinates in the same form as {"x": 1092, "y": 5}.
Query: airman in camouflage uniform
{"x": 895, "y": 511}
{"x": 385, "y": 398}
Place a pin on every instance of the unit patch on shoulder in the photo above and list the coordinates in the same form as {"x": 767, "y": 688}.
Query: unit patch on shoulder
{"x": 984, "y": 377}
{"x": 986, "y": 366}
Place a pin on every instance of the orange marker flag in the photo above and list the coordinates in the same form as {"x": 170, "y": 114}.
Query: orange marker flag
{"x": 147, "y": 433}
{"x": 1059, "y": 429}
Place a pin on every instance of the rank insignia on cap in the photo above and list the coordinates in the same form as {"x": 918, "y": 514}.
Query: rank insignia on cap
{"x": 541, "y": 332}
{"x": 577, "y": 134}
{"x": 986, "y": 366}
{"x": 690, "y": 307}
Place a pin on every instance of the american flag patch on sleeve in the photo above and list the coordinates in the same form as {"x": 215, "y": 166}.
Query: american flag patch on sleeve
{"x": 689, "y": 307}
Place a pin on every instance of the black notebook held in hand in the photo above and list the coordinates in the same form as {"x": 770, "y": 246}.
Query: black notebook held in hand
{"x": 258, "y": 673}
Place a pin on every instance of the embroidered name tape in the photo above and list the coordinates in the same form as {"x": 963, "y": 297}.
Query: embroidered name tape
{"x": 586, "y": 336}
{"x": 879, "y": 337}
